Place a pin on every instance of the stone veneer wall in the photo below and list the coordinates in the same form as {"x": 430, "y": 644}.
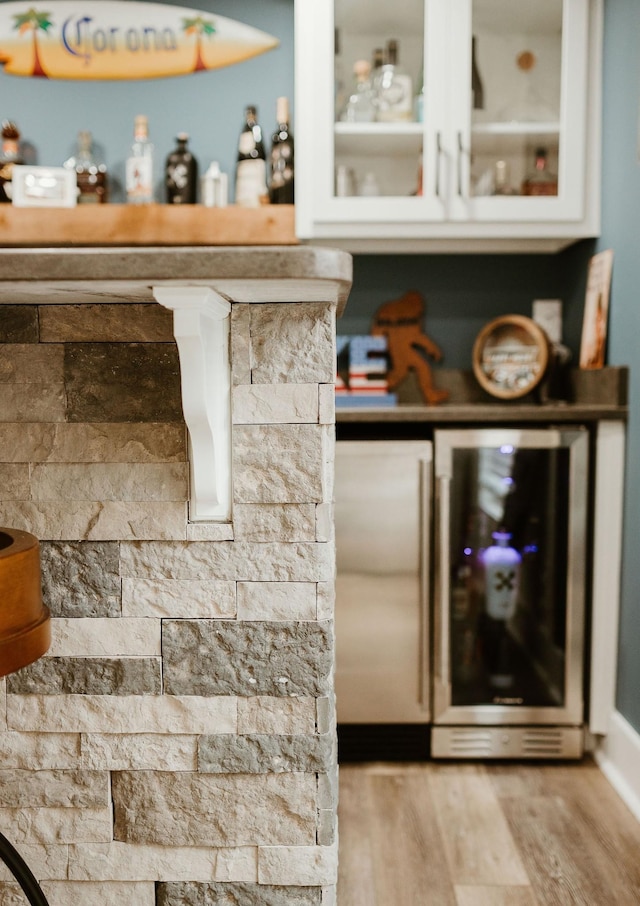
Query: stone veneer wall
{"x": 177, "y": 743}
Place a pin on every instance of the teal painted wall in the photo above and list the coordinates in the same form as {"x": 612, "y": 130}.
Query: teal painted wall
{"x": 621, "y": 232}
{"x": 462, "y": 292}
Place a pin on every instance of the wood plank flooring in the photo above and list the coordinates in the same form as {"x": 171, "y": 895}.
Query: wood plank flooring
{"x": 476, "y": 834}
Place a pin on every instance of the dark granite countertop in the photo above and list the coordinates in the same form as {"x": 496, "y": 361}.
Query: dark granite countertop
{"x": 590, "y": 396}
{"x": 239, "y": 273}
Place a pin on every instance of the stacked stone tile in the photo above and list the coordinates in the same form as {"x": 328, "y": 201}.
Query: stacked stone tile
{"x": 176, "y": 745}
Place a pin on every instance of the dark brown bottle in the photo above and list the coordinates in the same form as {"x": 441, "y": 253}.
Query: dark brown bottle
{"x": 181, "y": 173}
{"x": 540, "y": 181}
{"x": 477, "y": 89}
{"x": 91, "y": 174}
{"x": 282, "y": 172}
{"x": 9, "y": 156}
{"x": 251, "y": 168}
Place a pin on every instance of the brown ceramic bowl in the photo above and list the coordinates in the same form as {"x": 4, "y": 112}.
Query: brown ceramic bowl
{"x": 25, "y": 629}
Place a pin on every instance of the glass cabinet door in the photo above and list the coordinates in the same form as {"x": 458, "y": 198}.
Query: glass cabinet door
{"x": 379, "y": 102}
{"x": 378, "y": 109}
{"x": 511, "y": 573}
{"x": 519, "y": 151}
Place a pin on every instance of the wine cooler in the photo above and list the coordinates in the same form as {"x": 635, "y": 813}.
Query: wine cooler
{"x": 509, "y": 594}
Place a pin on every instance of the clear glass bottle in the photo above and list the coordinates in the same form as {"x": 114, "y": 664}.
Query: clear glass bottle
{"x": 281, "y": 158}
{"x": 181, "y": 173}
{"x": 418, "y": 101}
{"x": 540, "y": 180}
{"x": 9, "y": 156}
{"x": 91, "y": 174}
{"x": 251, "y": 168}
{"x": 139, "y": 165}
{"x": 214, "y": 187}
{"x": 360, "y": 106}
{"x": 369, "y": 184}
{"x": 502, "y": 178}
{"x": 393, "y": 89}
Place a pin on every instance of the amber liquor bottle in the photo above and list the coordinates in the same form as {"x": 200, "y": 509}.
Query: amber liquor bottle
{"x": 91, "y": 174}
{"x": 9, "y": 156}
{"x": 540, "y": 181}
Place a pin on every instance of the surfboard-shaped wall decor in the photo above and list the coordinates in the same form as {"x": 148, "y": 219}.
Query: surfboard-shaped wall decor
{"x": 120, "y": 39}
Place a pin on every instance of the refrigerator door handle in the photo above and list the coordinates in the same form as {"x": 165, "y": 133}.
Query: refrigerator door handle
{"x": 425, "y": 570}
{"x": 443, "y": 570}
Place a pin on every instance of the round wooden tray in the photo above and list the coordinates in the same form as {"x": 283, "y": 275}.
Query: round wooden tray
{"x": 25, "y": 628}
{"x": 510, "y": 356}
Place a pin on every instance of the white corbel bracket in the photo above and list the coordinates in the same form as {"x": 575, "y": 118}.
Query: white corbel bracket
{"x": 201, "y": 320}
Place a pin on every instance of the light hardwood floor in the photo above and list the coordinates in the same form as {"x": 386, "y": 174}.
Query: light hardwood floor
{"x": 476, "y": 834}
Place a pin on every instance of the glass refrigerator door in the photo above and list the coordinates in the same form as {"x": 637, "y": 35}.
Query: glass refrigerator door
{"x": 511, "y": 522}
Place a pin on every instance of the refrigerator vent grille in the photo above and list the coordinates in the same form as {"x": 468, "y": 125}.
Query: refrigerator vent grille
{"x": 465, "y": 742}
{"x": 506, "y": 742}
{"x": 542, "y": 742}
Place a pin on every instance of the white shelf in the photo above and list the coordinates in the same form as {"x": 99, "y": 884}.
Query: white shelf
{"x": 514, "y": 138}
{"x": 516, "y": 128}
{"x": 378, "y": 139}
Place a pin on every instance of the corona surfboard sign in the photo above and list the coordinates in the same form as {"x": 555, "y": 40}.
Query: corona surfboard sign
{"x": 120, "y": 39}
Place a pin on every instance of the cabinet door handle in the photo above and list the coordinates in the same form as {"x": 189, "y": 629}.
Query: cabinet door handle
{"x": 459, "y": 163}
{"x": 438, "y": 155}
{"x": 425, "y": 569}
{"x": 443, "y": 569}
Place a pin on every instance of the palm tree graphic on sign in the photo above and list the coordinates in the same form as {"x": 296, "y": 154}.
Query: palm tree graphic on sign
{"x": 34, "y": 21}
{"x": 198, "y": 26}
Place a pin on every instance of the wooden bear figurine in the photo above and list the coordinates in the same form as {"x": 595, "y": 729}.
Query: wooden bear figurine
{"x": 400, "y": 321}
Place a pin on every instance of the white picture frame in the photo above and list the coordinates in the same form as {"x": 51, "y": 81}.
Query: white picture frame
{"x": 43, "y": 187}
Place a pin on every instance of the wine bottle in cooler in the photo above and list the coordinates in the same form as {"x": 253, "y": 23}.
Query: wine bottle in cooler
{"x": 139, "y": 166}
{"x": 281, "y": 160}
{"x": 501, "y": 564}
{"x": 251, "y": 167}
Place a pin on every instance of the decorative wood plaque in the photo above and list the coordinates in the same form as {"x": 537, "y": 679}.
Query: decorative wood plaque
{"x": 510, "y": 356}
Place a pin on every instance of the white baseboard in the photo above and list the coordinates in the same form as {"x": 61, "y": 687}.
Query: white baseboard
{"x": 618, "y": 757}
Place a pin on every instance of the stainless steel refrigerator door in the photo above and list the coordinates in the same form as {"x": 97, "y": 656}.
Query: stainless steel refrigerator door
{"x": 567, "y": 473}
{"x": 382, "y": 505}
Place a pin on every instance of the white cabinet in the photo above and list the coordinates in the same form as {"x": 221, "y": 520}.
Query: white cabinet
{"x": 539, "y": 69}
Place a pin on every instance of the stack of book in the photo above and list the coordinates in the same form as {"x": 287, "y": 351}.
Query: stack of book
{"x": 361, "y": 372}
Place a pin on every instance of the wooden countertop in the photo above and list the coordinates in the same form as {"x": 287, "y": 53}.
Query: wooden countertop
{"x": 146, "y": 225}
